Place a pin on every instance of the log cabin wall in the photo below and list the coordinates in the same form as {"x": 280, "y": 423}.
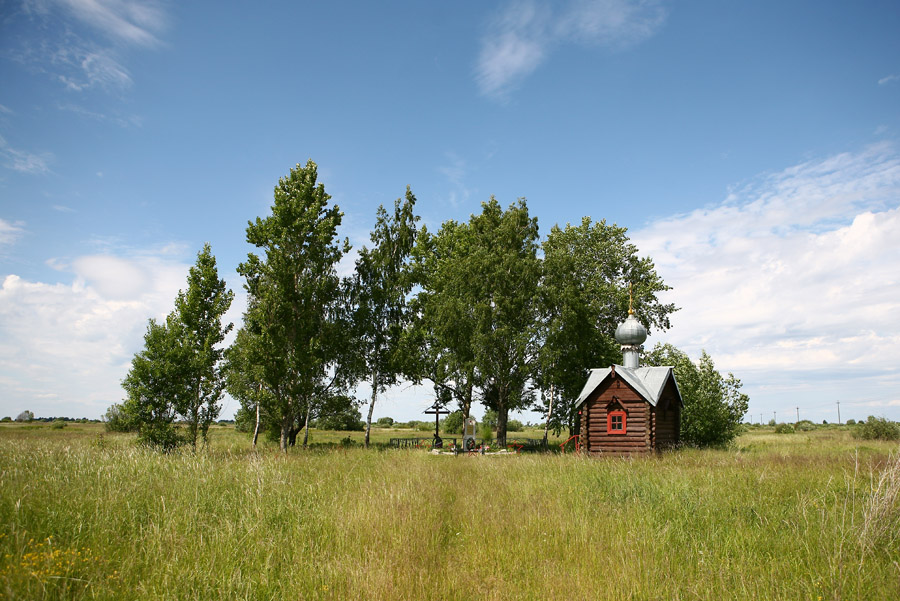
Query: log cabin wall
{"x": 637, "y": 424}
{"x": 665, "y": 420}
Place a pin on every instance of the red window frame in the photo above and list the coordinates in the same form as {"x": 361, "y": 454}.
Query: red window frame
{"x": 611, "y": 421}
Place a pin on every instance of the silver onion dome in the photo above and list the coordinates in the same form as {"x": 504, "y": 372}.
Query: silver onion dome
{"x": 631, "y": 331}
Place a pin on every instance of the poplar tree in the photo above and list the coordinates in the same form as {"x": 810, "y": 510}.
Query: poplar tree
{"x": 177, "y": 376}
{"x": 199, "y": 311}
{"x": 381, "y": 284}
{"x": 296, "y": 299}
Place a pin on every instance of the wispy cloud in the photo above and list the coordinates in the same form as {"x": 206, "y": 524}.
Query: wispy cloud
{"x": 793, "y": 273}
{"x": 82, "y": 43}
{"x": 24, "y": 161}
{"x": 10, "y": 231}
{"x": 522, "y": 36}
{"x": 455, "y": 172}
{"x": 886, "y": 80}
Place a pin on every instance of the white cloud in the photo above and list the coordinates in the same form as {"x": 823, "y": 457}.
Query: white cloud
{"x": 10, "y": 232}
{"x": 793, "y": 278}
{"x": 73, "y": 342}
{"x": 888, "y": 79}
{"x": 129, "y": 21}
{"x": 24, "y": 161}
{"x": 522, "y": 36}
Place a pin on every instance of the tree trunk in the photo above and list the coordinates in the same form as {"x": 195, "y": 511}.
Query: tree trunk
{"x": 549, "y": 414}
{"x": 467, "y": 402}
{"x": 502, "y": 419}
{"x": 371, "y": 406}
{"x": 306, "y": 427}
{"x": 256, "y": 429}
{"x": 286, "y": 423}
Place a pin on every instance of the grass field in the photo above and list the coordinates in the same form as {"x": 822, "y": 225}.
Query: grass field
{"x": 89, "y": 515}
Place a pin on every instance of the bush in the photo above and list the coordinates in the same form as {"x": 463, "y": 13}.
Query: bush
{"x": 348, "y": 420}
{"x": 851, "y": 422}
{"x": 58, "y": 424}
{"x": 784, "y": 429}
{"x": 487, "y": 434}
{"x": 25, "y": 416}
{"x": 514, "y": 425}
{"x": 805, "y": 426}
{"x": 453, "y": 423}
{"x": 877, "y": 428}
{"x": 118, "y": 420}
{"x": 6, "y": 419}
{"x": 424, "y": 426}
{"x": 385, "y": 422}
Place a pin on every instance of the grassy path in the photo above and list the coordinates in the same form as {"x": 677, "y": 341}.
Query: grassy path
{"x": 780, "y": 517}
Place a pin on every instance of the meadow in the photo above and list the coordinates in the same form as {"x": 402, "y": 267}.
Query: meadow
{"x": 89, "y": 515}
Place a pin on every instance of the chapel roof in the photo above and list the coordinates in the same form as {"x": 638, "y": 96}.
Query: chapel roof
{"x": 649, "y": 382}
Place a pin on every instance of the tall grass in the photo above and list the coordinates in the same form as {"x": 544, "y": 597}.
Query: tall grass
{"x": 86, "y": 517}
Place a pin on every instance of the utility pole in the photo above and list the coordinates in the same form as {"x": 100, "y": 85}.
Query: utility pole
{"x": 775, "y": 417}
{"x": 798, "y": 415}
{"x": 839, "y": 412}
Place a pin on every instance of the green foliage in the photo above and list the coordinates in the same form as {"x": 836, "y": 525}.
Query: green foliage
{"x": 490, "y": 418}
{"x": 6, "y": 418}
{"x": 199, "y": 311}
{"x": 296, "y": 341}
{"x": 479, "y": 307}
{"x": 347, "y": 420}
{"x": 380, "y": 286}
{"x": 58, "y": 424}
{"x": 584, "y": 295}
{"x": 804, "y": 426}
{"x": 784, "y": 429}
{"x": 385, "y": 422}
{"x": 486, "y": 432}
{"x": 877, "y": 428}
{"x": 177, "y": 375}
{"x": 453, "y": 423}
{"x": 713, "y": 405}
{"x": 851, "y": 422}
{"x": 514, "y": 425}
{"x": 25, "y": 416}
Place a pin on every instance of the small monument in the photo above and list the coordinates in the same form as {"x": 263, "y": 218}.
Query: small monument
{"x": 469, "y": 434}
{"x": 438, "y": 412}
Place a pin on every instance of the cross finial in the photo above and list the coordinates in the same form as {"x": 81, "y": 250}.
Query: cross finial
{"x": 631, "y": 299}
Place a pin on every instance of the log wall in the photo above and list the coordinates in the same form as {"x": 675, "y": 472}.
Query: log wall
{"x": 637, "y": 425}
{"x": 666, "y": 418}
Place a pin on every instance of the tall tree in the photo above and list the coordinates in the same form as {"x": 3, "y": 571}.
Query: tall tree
{"x": 199, "y": 311}
{"x": 713, "y": 405}
{"x": 381, "y": 284}
{"x": 297, "y": 301}
{"x": 178, "y": 373}
{"x": 443, "y": 326}
{"x": 479, "y": 302}
{"x": 587, "y": 271}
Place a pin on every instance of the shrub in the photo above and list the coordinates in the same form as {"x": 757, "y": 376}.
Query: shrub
{"x": 851, "y": 422}
{"x": 58, "y": 424}
{"x": 25, "y": 416}
{"x": 6, "y": 419}
{"x": 487, "y": 434}
{"x": 453, "y": 423}
{"x": 784, "y": 429}
{"x": 385, "y": 422}
{"x": 514, "y": 425}
{"x": 347, "y": 420}
{"x": 424, "y": 426}
{"x": 805, "y": 426}
{"x": 118, "y": 420}
{"x": 877, "y": 428}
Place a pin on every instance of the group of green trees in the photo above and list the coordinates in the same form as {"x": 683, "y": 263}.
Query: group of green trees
{"x": 483, "y": 309}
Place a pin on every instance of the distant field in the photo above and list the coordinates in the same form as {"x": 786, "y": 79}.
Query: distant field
{"x": 89, "y": 515}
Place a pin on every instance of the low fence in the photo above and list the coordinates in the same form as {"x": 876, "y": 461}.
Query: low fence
{"x": 517, "y": 444}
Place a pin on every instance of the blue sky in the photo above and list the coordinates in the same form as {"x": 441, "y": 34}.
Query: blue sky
{"x": 751, "y": 148}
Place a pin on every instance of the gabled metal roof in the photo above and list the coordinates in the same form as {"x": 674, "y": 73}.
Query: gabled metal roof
{"x": 648, "y": 382}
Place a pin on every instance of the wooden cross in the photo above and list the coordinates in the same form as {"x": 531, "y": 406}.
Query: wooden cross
{"x": 438, "y": 412}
